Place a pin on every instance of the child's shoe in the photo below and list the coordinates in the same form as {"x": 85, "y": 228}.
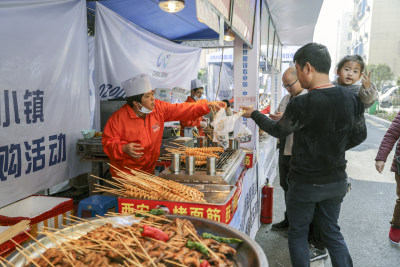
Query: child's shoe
{"x": 394, "y": 236}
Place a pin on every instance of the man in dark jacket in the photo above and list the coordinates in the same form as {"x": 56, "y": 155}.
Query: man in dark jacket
{"x": 326, "y": 122}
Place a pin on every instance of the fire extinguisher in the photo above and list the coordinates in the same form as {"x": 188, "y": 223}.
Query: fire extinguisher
{"x": 267, "y": 203}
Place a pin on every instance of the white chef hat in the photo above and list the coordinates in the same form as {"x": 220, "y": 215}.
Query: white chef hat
{"x": 196, "y": 84}
{"x": 137, "y": 85}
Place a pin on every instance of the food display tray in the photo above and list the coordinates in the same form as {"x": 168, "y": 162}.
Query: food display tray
{"x": 249, "y": 253}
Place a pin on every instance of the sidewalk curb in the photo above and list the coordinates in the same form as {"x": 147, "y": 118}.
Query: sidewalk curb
{"x": 377, "y": 119}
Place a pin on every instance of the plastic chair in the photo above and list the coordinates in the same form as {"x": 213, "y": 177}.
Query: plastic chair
{"x": 97, "y": 204}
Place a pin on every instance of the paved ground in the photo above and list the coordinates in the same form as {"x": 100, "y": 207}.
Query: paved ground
{"x": 365, "y": 215}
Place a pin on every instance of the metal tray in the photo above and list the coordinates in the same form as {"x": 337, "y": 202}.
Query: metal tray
{"x": 249, "y": 253}
{"x": 215, "y": 193}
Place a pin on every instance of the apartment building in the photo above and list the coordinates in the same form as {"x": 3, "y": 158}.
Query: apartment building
{"x": 376, "y": 33}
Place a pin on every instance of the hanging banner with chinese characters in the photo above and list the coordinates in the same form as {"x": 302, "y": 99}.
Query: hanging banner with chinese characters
{"x": 246, "y": 84}
{"x": 124, "y": 50}
{"x": 44, "y": 94}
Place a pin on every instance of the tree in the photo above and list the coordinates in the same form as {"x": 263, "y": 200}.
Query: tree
{"x": 381, "y": 75}
{"x": 398, "y": 81}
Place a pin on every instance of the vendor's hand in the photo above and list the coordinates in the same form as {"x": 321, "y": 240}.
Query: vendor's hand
{"x": 366, "y": 80}
{"x": 379, "y": 165}
{"x": 217, "y": 105}
{"x": 134, "y": 150}
{"x": 277, "y": 116}
{"x": 247, "y": 111}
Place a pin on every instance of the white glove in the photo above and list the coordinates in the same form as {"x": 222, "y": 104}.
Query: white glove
{"x": 203, "y": 124}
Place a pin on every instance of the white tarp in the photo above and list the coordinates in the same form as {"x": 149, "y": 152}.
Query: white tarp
{"x": 220, "y": 77}
{"x": 44, "y": 94}
{"x": 123, "y": 50}
{"x": 295, "y": 20}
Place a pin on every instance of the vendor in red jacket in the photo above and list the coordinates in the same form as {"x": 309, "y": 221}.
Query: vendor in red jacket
{"x": 196, "y": 92}
{"x": 132, "y": 135}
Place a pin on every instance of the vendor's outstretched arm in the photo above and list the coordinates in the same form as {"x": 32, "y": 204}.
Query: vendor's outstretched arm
{"x": 190, "y": 111}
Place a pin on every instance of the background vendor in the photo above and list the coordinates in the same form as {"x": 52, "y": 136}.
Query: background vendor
{"x": 196, "y": 93}
{"x": 133, "y": 134}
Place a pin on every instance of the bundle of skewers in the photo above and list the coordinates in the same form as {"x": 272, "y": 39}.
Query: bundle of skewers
{"x": 200, "y": 153}
{"x": 14, "y": 230}
{"x": 153, "y": 241}
{"x": 139, "y": 184}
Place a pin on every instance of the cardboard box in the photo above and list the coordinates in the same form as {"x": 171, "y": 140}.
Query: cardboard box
{"x": 40, "y": 210}
{"x": 217, "y": 212}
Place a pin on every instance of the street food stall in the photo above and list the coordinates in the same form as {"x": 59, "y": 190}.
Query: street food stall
{"x": 43, "y": 114}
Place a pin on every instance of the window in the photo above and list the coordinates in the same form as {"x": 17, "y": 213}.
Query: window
{"x": 349, "y": 36}
{"x": 361, "y": 8}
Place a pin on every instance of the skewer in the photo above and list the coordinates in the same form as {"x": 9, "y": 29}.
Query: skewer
{"x": 201, "y": 242}
{"x": 142, "y": 248}
{"x": 14, "y": 230}
{"x": 108, "y": 181}
{"x": 34, "y": 239}
{"x": 129, "y": 251}
{"x": 133, "y": 220}
{"x": 68, "y": 241}
{"x": 41, "y": 255}
{"x": 6, "y": 261}
{"x": 151, "y": 215}
{"x": 175, "y": 143}
{"x": 2, "y": 264}
{"x": 113, "y": 249}
{"x": 175, "y": 263}
{"x": 69, "y": 257}
{"x": 26, "y": 255}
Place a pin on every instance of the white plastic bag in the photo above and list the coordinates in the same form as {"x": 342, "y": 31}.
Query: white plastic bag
{"x": 244, "y": 134}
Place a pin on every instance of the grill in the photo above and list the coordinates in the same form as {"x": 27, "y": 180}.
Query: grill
{"x": 221, "y": 163}
{"x": 91, "y": 148}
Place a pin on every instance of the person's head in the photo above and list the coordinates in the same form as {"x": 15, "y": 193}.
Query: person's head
{"x": 290, "y": 81}
{"x": 312, "y": 61}
{"x": 196, "y": 89}
{"x": 228, "y": 105}
{"x": 140, "y": 95}
{"x": 350, "y": 69}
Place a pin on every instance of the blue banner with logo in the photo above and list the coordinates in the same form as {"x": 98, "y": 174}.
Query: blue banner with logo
{"x": 124, "y": 50}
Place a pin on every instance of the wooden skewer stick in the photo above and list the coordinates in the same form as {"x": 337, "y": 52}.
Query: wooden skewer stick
{"x": 174, "y": 263}
{"x": 2, "y": 263}
{"x": 6, "y": 261}
{"x": 41, "y": 255}
{"x": 150, "y": 215}
{"x": 68, "y": 255}
{"x": 34, "y": 239}
{"x": 129, "y": 251}
{"x": 142, "y": 248}
{"x": 22, "y": 251}
{"x": 68, "y": 239}
{"x": 201, "y": 242}
{"x": 108, "y": 181}
{"x": 175, "y": 143}
{"x": 113, "y": 249}
{"x": 133, "y": 220}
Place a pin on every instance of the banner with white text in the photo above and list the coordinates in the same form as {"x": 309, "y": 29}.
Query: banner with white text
{"x": 124, "y": 50}
{"x": 44, "y": 94}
